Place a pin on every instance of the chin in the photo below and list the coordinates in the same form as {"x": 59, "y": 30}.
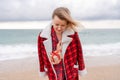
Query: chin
{"x": 59, "y": 31}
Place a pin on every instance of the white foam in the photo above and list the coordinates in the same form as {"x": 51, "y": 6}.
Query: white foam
{"x": 17, "y": 51}
{"x": 101, "y": 49}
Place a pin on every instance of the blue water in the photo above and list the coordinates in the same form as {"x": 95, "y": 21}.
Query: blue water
{"x": 88, "y": 36}
{"x": 17, "y": 36}
{"x": 22, "y": 43}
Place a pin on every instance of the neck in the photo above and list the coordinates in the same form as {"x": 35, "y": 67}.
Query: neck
{"x": 59, "y": 36}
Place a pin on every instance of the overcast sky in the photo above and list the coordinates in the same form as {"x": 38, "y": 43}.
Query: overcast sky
{"x": 42, "y": 9}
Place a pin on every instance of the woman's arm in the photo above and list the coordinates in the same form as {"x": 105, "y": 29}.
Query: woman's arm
{"x": 40, "y": 56}
{"x": 82, "y": 69}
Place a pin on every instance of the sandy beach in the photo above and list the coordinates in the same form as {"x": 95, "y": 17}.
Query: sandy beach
{"x": 103, "y": 68}
{"x": 99, "y": 68}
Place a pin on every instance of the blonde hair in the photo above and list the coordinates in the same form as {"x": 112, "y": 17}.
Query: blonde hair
{"x": 64, "y": 14}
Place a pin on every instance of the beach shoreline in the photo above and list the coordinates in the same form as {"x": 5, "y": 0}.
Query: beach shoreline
{"x": 99, "y": 68}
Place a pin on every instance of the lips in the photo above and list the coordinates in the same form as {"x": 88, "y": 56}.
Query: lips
{"x": 59, "y": 30}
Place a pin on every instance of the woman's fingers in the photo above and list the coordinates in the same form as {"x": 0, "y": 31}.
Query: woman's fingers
{"x": 56, "y": 60}
{"x": 59, "y": 45}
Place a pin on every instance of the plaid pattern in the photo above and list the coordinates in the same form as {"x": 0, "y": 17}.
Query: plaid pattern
{"x": 72, "y": 55}
{"x": 58, "y": 67}
{"x": 54, "y": 39}
{"x": 43, "y": 59}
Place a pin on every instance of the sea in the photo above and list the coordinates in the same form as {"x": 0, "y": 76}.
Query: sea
{"x": 22, "y": 43}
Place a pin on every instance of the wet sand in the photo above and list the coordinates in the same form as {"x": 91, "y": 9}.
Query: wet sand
{"x": 99, "y": 68}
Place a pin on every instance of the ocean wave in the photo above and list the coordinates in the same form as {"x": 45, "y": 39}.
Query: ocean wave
{"x": 101, "y": 49}
{"x": 17, "y": 51}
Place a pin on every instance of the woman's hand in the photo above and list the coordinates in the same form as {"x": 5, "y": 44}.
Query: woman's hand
{"x": 56, "y": 56}
{"x": 59, "y": 45}
{"x": 54, "y": 59}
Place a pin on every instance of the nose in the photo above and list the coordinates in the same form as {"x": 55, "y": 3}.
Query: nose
{"x": 59, "y": 28}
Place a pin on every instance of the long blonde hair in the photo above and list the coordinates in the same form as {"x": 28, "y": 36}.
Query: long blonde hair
{"x": 64, "y": 14}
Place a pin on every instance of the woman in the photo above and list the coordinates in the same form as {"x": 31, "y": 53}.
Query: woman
{"x": 59, "y": 48}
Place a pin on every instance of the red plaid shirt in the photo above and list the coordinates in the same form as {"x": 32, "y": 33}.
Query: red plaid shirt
{"x": 72, "y": 55}
{"x": 58, "y": 67}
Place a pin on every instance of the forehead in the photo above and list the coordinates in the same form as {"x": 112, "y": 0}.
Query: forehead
{"x": 57, "y": 20}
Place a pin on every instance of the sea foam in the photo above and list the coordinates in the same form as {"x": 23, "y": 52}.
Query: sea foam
{"x": 18, "y": 51}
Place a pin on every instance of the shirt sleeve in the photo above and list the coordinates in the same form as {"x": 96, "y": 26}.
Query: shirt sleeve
{"x": 40, "y": 57}
{"x": 80, "y": 58}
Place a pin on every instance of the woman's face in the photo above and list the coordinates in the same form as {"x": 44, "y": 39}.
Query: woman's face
{"x": 59, "y": 25}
